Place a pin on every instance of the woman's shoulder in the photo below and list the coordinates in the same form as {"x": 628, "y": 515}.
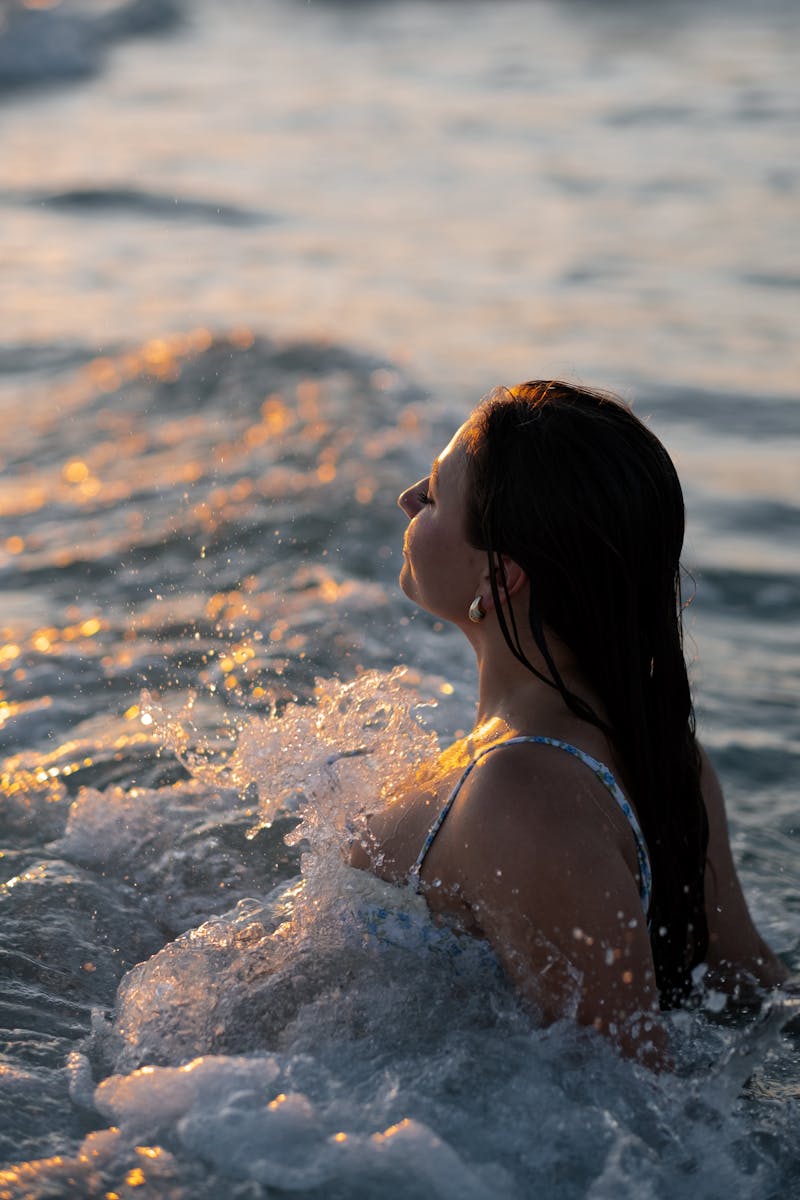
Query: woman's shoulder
{"x": 533, "y": 799}
{"x": 542, "y": 772}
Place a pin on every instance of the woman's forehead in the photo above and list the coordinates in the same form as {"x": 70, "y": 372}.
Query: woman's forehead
{"x": 451, "y": 463}
{"x": 453, "y": 450}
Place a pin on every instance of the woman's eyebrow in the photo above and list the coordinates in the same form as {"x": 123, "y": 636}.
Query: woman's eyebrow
{"x": 434, "y": 475}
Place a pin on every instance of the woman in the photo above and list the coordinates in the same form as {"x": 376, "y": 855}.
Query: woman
{"x": 579, "y": 827}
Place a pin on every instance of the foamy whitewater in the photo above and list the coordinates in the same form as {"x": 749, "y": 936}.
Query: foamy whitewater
{"x": 262, "y": 261}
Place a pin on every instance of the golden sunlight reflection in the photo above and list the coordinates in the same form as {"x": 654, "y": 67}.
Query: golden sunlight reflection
{"x": 75, "y": 471}
{"x": 392, "y": 1131}
{"x": 274, "y": 413}
{"x": 49, "y": 639}
{"x": 227, "y": 606}
{"x": 160, "y": 357}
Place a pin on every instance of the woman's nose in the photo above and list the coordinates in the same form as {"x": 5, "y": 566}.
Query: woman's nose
{"x": 409, "y": 499}
{"x": 406, "y": 501}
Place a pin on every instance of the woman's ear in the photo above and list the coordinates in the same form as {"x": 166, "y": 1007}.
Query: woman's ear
{"x": 515, "y": 580}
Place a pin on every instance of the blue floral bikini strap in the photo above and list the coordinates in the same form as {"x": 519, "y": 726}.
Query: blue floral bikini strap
{"x": 599, "y": 769}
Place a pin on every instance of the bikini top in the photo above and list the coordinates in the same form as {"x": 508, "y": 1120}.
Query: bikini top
{"x": 600, "y": 770}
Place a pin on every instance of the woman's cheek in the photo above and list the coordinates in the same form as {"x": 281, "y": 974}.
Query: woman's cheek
{"x": 420, "y": 545}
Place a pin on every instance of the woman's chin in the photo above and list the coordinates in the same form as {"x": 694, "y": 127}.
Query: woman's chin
{"x": 406, "y": 580}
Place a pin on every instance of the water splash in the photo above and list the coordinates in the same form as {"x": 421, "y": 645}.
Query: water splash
{"x": 327, "y": 762}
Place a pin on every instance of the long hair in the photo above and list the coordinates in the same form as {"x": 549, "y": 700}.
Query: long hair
{"x": 575, "y": 489}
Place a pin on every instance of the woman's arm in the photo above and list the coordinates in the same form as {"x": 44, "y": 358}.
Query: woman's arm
{"x": 541, "y": 866}
{"x": 737, "y": 954}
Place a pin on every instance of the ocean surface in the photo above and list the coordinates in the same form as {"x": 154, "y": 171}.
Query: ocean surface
{"x": 259, "y": 259}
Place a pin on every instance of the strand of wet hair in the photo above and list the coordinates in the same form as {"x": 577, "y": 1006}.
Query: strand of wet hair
{"x": 574, "y": 702}
{"x": 514, "y": 644}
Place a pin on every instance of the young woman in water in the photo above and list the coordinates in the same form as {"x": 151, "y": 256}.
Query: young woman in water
{"x": 579, "y": 827}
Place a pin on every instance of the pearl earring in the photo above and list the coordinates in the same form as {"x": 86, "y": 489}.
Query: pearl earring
{"x": 476, "y": 613}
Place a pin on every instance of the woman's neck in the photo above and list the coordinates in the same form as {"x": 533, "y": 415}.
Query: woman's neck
{"x": 511, "y": 697}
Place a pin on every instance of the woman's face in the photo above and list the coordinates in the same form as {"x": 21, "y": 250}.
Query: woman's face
{"x": 441, "y": 570}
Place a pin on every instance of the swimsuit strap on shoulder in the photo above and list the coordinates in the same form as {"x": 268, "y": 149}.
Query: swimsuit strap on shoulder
{"x": 600, "y": 770}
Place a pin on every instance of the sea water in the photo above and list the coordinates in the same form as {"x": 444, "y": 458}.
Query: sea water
{"x": 258, "y": 266}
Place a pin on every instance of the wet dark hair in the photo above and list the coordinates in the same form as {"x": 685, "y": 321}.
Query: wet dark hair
{"x": 574, "y": 488}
